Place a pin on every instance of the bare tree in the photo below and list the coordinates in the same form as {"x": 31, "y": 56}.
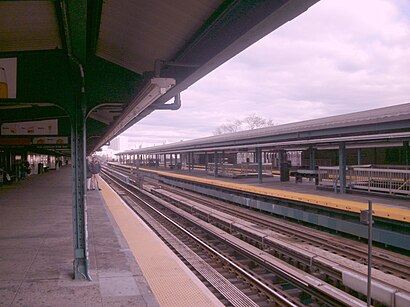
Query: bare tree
{"x": 250, "y": 122}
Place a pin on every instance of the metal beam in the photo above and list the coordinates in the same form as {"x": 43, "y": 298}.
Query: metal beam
{"x": 206, "y": 161}
{"x": 81, "y": 258}
{"x": 216, "y": 164}
{"x": 76, "y": 13}
{"x": 259, "y": 160}
{"x": 342, "y": 167}
{"x": 312, "y": 154}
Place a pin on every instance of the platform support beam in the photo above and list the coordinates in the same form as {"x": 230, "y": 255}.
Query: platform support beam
{"x": 312, "y": 158}
{"x": 359, "y": 156}
{"x": 406, "y": 153}
{"x": 259, "y": 160}
{"x": 78, "y": 135}
{"x": 342, "y": 167}
{"x": 206, "y": 161}
{"x": 165, "y": 160}
{"x": 216, "y": 164}
{"x": 192, "y": 161}
{"x": 189, "y": 161}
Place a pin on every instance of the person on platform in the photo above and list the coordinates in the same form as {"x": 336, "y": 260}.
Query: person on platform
{"x": 89, "y": 174}
{"x": 95, "y": 169}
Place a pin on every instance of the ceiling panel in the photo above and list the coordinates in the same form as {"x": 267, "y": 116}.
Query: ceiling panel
{"x": 134, "y": 34}
{"x": 28, "y": 25}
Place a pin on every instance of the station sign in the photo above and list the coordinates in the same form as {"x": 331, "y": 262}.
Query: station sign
{"x": 41, "y": 127}
{"x": 57, "y": 140}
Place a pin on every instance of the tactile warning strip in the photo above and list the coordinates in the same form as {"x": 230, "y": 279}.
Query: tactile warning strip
{"x": 171, "y": 282}
{"x": 219, "y": 282}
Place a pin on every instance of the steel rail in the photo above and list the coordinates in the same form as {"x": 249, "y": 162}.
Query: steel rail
{"x": 339, "y": 296}
{"x": 275, "y": 294}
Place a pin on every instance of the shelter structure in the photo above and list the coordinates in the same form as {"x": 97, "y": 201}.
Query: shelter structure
{"x": 75, "y": 74}
{"x": 387, "y": 127}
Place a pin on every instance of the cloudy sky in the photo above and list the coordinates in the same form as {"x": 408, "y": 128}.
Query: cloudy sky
{"x": 338, "y": 57}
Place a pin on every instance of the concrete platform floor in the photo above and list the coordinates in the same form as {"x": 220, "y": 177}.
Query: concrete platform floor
{"x": 36, "y": 249}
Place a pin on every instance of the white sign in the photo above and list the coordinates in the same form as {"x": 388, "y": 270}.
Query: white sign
{"x": 41, "y": 127}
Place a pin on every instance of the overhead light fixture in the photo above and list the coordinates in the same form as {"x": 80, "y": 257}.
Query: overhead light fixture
{"x": 154, "y": 89}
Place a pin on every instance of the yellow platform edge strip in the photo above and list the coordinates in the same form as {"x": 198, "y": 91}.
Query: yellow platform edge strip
{"x": 170, "y": 281}
{"x": 390, "y": 213}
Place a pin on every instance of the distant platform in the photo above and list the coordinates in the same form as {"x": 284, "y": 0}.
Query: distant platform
{"x": 300, "y": 202}
{"x": 306, "y": 191}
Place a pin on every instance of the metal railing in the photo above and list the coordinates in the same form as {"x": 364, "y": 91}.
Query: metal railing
{"x": 391, "y": 181}
{"x": 242, "y": 169}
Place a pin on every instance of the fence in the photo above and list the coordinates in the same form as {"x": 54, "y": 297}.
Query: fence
{"x": 243, "y": 169}
{"x": 391, "y": 181}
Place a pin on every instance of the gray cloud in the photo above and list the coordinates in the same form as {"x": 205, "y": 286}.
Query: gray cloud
{"x": 338, "y": 57}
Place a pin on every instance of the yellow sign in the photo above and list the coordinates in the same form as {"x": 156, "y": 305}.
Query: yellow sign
{"x": 3, "y": 84}
{"x": 8, "y": 77}
{"x": 51, "y": 140}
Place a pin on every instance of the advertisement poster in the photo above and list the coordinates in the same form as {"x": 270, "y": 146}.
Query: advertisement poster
{"x": 41, "y": 127}
{"x": 57, "y": 140}
{"x": 8, "y": 77}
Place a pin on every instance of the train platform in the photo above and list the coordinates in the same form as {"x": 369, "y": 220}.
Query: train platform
{"x": 304, "y": 187}
{"x": 300, "y": 202}
{"x": 36, "y": 252}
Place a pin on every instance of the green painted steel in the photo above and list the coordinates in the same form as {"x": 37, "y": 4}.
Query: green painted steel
{"x": 258, "y": 155}
{"x": 342, "y": 167}
{"x": 81, "y": 258}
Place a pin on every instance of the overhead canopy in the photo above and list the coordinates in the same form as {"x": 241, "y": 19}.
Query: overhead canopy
{"x": 120, "y": 59}
{"x": 388, "y": 126}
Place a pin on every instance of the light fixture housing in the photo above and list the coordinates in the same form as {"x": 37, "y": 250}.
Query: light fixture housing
{"x": 154, "y": 89}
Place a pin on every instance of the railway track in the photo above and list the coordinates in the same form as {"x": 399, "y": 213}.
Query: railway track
{"x": 385, "y": 261}
{"x": 260, "y": 277}
{"x": 336, "y": 260}
{"x": 382, "y": 260}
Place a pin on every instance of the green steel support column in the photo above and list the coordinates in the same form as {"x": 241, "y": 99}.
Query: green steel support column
{"x": 181, "y": 159}
{"x": 192, "y": 161}
{"x": 81, "y": 260}
{"x": 165, "y": 160}
{"x": 216, "y": 164}
{"x": 342, "y": 167}
{"x": 406, "y": 153}
{"x": 206, "y": 161}
{"x": 259, "y": 160}
{"x": 312, "y": 158}
{"x": 359, "y": 156}
{"x": 189, "y": 161}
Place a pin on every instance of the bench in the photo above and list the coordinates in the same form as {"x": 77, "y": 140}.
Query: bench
{"x": 307, "y": 173}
